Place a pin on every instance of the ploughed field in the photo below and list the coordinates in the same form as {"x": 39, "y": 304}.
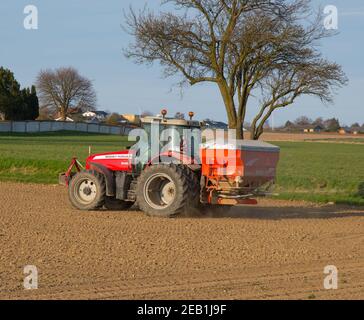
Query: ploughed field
{"x": 328, "y": 170}
{"x": 277, "y": 250}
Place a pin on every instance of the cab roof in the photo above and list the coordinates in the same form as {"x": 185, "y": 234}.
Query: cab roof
{"x": 172, "y": 122}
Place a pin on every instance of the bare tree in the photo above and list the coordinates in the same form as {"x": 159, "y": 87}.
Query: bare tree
{"x": 63, "y": 89}
{"x": 282, "y": 86}
{"x": 303, "y": 121}
{"x": 241, "y": 46}
{"x": 45, "y": 114}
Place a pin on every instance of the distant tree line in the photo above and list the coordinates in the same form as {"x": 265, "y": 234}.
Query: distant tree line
{"x": 15, "y": 103}
{"x": 329, "y": 125}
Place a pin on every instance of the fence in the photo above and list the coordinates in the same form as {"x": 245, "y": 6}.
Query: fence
{"x": 48, "y": 126}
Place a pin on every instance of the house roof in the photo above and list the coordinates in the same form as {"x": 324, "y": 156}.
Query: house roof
{"x": 101, "y": 113}
{"x": 68, "y": 119}
{"x": 96, "y": 113}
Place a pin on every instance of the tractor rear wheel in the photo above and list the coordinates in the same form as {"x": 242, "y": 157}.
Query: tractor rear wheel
{"x": 165, "y": 190}
{"x": 87, "y": 190}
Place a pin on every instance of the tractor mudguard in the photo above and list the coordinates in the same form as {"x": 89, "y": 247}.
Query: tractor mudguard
{"x": 109, "y": 178}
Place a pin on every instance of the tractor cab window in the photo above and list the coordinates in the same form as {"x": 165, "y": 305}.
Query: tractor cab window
{"x": 178, "y": 138}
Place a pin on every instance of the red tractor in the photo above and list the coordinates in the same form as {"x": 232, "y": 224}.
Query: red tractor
{"x": 176, "y": 180}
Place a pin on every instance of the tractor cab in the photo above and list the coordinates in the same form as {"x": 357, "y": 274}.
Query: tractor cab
{"x": 173, "y": 135}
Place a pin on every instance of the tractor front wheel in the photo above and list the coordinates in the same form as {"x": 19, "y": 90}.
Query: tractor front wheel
{"x": 87, "y": 190}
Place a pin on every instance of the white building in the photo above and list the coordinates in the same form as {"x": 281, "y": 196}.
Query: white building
{"x": 99, "y": 115}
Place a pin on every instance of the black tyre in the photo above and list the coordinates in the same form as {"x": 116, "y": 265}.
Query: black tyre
{"x": 194, "y": 186}
{"x": 113, "y": 204}
{"x": 87, "y": 190}
{"x": 165, "y": 190}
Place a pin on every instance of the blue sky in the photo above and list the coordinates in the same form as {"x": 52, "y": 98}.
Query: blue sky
{"x": 87, "y": 35}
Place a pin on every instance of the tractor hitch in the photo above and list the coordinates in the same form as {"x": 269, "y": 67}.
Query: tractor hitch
{"x": 65, "y": 178}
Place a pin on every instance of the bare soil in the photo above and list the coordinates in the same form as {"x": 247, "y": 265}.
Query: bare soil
{"x": 277, "y": 250}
